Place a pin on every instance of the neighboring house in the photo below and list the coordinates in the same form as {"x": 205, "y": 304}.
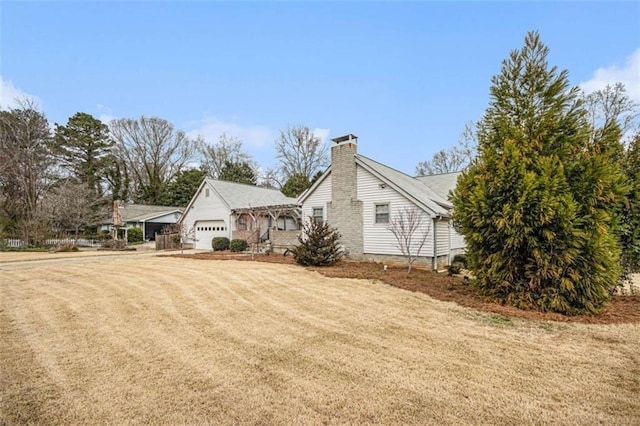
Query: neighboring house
{"x": 235, "y": 210}
{"x": 151, "y": 219}
{"x": 360, "y": 197}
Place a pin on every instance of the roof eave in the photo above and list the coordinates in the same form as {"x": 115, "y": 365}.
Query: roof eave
{"x": 402, "y": 191}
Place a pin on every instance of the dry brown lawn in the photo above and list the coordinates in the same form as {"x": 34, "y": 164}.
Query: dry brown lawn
{"x": 180, "y": 341}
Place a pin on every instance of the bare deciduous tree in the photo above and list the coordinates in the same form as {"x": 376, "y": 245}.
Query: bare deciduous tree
{"x": 72, "y": 206}
{"x": 270, "y": 178}
{"x": 411, "y": 231}
{"x": 453, "y": 159}
{"x": 612, "y": 104}
{"x": 153, "y": 153}
{"x": 227, "y": 149}
{"x": 26, "y": 165}
{"x": 300, "y": 152}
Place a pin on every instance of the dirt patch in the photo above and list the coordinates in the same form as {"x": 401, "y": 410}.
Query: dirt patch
{"x": 621, "y": 309}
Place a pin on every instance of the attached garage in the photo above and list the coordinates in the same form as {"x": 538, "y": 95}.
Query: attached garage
{"x": 206, "y": 230}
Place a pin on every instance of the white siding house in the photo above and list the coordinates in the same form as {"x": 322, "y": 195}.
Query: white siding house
{"x": 375, "y": 195}
{"x": 223, "y": 209}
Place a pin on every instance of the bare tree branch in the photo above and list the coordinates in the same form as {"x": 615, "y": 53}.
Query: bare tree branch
{"x": 411, "y": 231}
{"x": 72, "y": 206}
{"x": 228, "y": 148}
{"x": 453, "y": 159}
{"x": 299, "y": 151}
{"x": 153, "y": 153}
{"x": 612, "y": 105}
{"x": 26, "y": 164}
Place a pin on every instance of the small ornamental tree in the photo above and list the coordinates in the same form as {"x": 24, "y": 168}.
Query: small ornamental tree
{"x": 538, "y": 206}
{"x": 318, "y": 245}
{"x": 411, "y": 231}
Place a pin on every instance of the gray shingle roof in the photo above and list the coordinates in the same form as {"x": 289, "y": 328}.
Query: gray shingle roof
{"x": 411, "y": 187}
{"x": 141, "y": 212}
{"x": 442, "y": 183}
{"x": 429, "y": 191}
{"x": 238, "y": 195}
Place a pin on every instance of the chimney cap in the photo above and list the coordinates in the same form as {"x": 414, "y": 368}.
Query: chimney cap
{"x": 345, "y": 138}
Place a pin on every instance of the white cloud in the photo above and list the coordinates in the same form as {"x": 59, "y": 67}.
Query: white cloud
{"x": 10, "y": 96}
{"x": 105, "y": 114}
{"x": 628, "y": 74}
{"x": 323, "y": 134}
{"x": 252, "y": 136}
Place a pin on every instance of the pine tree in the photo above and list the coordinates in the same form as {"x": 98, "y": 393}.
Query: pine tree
{"x": 181, "y": 190}
{"x": 319, "y": 245}
{"x": 83, "y": 146}
{"x": 296, "y": 185}
{"x": 238, "y": 172}
{"x": 538, "y": 206}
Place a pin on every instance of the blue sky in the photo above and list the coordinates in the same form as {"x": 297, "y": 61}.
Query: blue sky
{"x": 403, "y": 76}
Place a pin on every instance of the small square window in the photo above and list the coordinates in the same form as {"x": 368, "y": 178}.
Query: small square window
{"x": 382, "y": 213}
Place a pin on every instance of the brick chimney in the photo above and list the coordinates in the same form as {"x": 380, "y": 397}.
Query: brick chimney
{"x": 344, "y": 211}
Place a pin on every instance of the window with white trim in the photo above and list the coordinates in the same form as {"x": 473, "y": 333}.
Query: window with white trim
{"x": 382, "y": 213}
{"x": 242, "y": 223}
{"x": 318, "y": 214}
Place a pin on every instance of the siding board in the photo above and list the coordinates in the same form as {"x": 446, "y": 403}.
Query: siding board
{"x": 210, "y": 208}
{"x": 319, "y": 198}
{"x": 378, "y": 239}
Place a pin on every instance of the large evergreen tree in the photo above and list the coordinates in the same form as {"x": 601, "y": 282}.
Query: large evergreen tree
{"x": 181, "y": 190}
{"x": 296, "y": 185}
{"x": 241, "y": 172}
{"x": 537, "y": 207}
{"x": 83, "y": 147}
{"x": 630, "y": 235}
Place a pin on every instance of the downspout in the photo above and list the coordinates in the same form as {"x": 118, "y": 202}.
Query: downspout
{"x": 435, "y": 244}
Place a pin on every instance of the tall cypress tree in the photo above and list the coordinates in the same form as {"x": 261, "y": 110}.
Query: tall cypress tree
{"x": 630, "y": 235}
{"x": 537, "y": 207}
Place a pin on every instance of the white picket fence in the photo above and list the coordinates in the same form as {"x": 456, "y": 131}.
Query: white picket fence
{"x": 80, "y": 242}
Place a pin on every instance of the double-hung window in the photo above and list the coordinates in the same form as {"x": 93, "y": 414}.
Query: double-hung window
{"x": 382, "y": 213}
{"x": 242, "y": 223}
{"x": 317, "y": 214}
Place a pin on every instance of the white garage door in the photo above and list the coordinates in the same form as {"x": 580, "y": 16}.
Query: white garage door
{"x": 206, "y": 230}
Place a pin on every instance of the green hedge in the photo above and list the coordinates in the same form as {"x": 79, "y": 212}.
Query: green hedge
{"x": 238, "y": 245}
{"x": 220, "y": 243}
{"x": 134, "y": 235}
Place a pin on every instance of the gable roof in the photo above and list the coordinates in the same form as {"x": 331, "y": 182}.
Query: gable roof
{"x": 428, "y": 192}
{"x": 410, "y": 187}
{"x": 239, "y": 195}
{"x": 442, "y": 184}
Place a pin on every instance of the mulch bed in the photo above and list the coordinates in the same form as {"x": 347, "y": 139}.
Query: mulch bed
{"x": 440, "y": 286}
